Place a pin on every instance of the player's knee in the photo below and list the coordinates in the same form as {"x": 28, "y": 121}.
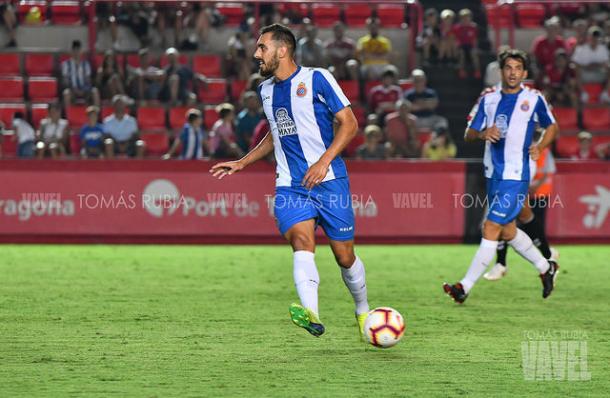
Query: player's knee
{"x": 345, "y": 258}
{"x": 302, "y": 241}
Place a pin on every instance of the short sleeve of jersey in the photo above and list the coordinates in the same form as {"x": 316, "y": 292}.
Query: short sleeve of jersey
{"x": 476, "y": 118}
{"x": 543, "y": 113}
{"x": 328, "y": 91}
{"x": 185, "y": 133}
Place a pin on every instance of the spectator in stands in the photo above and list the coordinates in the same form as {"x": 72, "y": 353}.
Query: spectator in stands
{"x": 374, "y": 51}
{"x": 92, "y": 135}
{"x": 607, "y": 34}
{"x": 430, "y": 39}
{"x": 560, "y": 83}
{"x": 146, "y": 81}
{"x": 165, "y": 15}
{"x": 241, "y": 46}
{"x": 585, "y": 149}
{"x": 248, "y": 119}
{"x": 603, "y": 151}
{"x": 198, "y": 19}
{"x": 122, "y": 132}
{"x": 10, "y": 21}
{"x": 109, "y": 78}
{"x": 400, "y": 132}
{"x": 592, "y": 58}
{"x": 448, "y": 50}
{"x": 382, "y": 98}
{"x": 178, "y": 80}
{"x": 137, "y": 17}
{"x": 192, "y": 138}
{"x": 466, "y": 35}
{"x": 424, "y": 102}
{"x": 254, "y": 81}
{"x": 222, "y": 137}
{"x": 25, "y": 135}
{"x": 261, "y": 129}
{"x": 580, "y": 27}
{"x": 544, "y": 46}
{"x": 76, "y": 78}
{"x": 493, "y": 73}
{"x": 310, "y": 49}
{"x": 341, "y": 54}
{"x": 372, "y": 149}
{"x": 53, "y": 134}
{"x": 440, "y": 146}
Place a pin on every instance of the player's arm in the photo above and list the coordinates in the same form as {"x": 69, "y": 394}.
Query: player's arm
{"x": 476, "y": 125}
{"x": 262, "y": 150}
{"x": 547, "y": 121}
{"x": 348, "y": 128}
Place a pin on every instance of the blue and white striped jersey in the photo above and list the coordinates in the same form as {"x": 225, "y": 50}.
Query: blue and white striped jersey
{"x": 515, "y": 116}
{"x": 301, "y": 111}
{"x": 192, "y": 140}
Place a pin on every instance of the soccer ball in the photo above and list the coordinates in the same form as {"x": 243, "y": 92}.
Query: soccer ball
{"x": 384, "y": 327}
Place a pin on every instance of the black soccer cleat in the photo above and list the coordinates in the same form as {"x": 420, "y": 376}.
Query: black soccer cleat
{"x": 548, "y": 279}
{"x": 456, "y": 292}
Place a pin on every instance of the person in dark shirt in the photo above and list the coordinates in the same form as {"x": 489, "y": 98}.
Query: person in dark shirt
{"x": 372, "y": 149}
{"x": 92, "y": 135}
{"x": 247, "y": 120}
{"x": 180, "y": 81}
{"x": 424, "y": 102}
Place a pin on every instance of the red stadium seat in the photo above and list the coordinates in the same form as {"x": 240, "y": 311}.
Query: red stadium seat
{"x": 208, "y": 65}
{"x": 351, "y": 89}
{"x": 233, "y": 13}
{"x": 360, "y": 114}
{"x": 132, "y": 60}
{"x": 39, "y": 112}
{"x": 325, "y": 15}
{"x": 151, "y": 118}
{"x": 210, "y": 116}
{"x": 596, "y": 119}
{"x": 8, "y": 145}
{"x": 65, "y": 12}
{"x": 391, "y": 15}
{"x": 423, "y": 136}
{"x": 11, "y": 89}
{"x": 156, "y": 143}
{"x": 405, "y": 84}
{"x": 177, "y": 117}
{"x": 530, "y": 15}
{"x": 39, "y": 64}
{"x": 42, "y": 89}
{"x": 357, "y": 14}
{"x": 10, "y": 64}
{"x": 24, "y": 7}
{"x": 7, "y": 111}
{"x": 593, "y": 91}
{"x": 214, "y": 92}
{"x": 567, "y": 119}
{"x": 237, "y": 89}
{"x": 566, "y": 145}
{"x": 76, "y": 115}
{"x": 106, "y": 111}
{"x": 499, "y": 16}
{"x": 299, "y": 10}
{"x": 75, "y": 143}
{"x": 368, "y": 86}
{"x": 351, "y": 148}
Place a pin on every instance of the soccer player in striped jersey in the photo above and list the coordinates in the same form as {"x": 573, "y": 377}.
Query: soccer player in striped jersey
{"x": 505, "y": 119}
{"x": 312, "y": 187}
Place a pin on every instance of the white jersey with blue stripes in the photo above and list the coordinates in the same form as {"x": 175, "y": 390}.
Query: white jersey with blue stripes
{"x": 515, "y": 116}
{"x": 301, "y": 111}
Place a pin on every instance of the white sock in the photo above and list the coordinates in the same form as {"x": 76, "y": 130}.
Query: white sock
{"x": 525, "y": 247}
{"x": 484, "y": 256}
{"x": 306, "y": 279}
{"x": 355, "y": 280}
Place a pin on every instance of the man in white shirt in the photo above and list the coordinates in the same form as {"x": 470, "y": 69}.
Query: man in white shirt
{"x": 121, "y": 129}
{"x": 592, "y": 58}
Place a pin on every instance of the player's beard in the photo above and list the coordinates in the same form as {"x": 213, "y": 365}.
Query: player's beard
{"x": 267, "y": 69}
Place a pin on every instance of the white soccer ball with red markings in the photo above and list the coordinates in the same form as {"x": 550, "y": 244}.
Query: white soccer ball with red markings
{"x": 384, "y": 327}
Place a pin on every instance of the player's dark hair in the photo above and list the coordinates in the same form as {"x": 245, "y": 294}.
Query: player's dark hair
{"x": 282, "y": 34}
{"x": 514, "y": 54}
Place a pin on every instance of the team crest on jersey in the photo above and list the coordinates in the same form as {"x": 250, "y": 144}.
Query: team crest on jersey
{"x": 285, "y": 124}
{"x": 502, "y": 124}
{"x": 525, "y": 106}
{"x": 301, "y": 90}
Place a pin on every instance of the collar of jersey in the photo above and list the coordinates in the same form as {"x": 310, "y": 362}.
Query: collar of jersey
{"x": 289, "y": 78}
{"x": 517, "y": 93}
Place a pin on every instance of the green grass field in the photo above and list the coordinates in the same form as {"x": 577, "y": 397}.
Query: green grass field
{"x": 212, "y": 321}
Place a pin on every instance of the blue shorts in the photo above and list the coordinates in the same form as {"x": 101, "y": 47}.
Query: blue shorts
{"x": 329, "y": 203}
{"x": 505, "y": 199}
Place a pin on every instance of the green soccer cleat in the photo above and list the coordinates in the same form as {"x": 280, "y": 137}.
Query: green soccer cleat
{"x": 361, "y": 319}
{"x": 306, "y": 319}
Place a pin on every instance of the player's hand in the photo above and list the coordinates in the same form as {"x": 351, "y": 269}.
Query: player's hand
{"x": 491, "y": 134}
{"x": 315, "y": 174}
{"x": 534, "y": 152}
{"x": 219, "y": 170}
